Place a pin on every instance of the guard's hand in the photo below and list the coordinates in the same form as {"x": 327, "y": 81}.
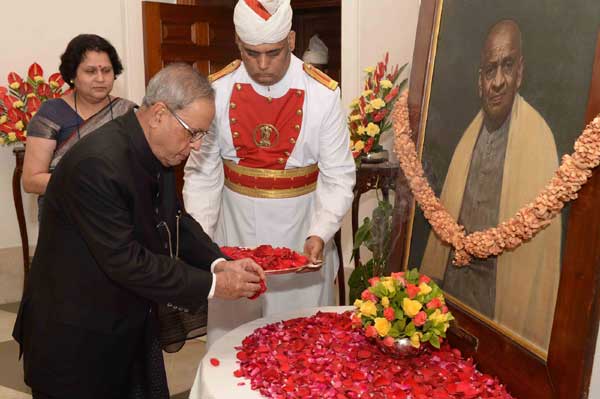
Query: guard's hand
{"x": 237, "y": 279}
{"x": 313, "y": 249}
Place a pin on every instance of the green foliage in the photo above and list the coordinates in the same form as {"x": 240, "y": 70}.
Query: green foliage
{"x": 375, "y": 234}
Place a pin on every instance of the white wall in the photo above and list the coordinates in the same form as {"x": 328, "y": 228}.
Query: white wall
{"x": 42, "y": 36}
{"x": 369, "y": 29}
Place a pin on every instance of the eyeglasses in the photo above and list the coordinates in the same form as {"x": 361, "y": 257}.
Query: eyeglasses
{"x": 195, "y": 134}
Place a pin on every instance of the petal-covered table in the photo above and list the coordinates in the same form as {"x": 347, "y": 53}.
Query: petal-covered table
{"x": 315, "y": 353}
{"x": 218, "y": 382}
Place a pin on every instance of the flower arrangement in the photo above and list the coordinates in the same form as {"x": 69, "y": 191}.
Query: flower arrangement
{"x": 368, "y": 118}
{"x": 403, "y": 305}
{"x": 571, "y": 175}
{"x": 21, "y": 100}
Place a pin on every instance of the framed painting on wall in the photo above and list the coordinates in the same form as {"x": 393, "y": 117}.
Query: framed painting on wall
{"x": 499, "y": 92}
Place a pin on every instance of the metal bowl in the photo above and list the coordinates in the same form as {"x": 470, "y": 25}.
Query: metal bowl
{"x": 375, "y": 157}
{"x": 401, "y": 348}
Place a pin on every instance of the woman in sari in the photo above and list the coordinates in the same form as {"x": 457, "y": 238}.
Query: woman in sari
{"x": 90, "y": 65}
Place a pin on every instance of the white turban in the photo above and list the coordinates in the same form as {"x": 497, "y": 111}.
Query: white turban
{"x": 317, "y": 52}
{"x": 262, "y": 21}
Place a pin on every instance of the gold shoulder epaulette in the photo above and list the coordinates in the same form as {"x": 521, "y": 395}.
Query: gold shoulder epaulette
{"x": 232, "y": 66}
{"x": 320, "y": 76}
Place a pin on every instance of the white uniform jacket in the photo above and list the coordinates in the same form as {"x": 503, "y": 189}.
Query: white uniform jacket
{"x": 234, "y": 219}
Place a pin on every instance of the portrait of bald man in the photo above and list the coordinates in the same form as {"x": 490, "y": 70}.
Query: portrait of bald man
{"x": 489, "y": 178}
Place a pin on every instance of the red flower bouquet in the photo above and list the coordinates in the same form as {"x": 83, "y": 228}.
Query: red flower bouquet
{"x": 21, "y": 100}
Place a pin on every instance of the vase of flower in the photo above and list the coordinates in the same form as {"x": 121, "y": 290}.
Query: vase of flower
{"x": 21, "y": 99}
{"x": 406, "y": 308}
{"x": 375, "y": 157}
{"x": 400, "y": 348}
{"x": 369, "y": 113}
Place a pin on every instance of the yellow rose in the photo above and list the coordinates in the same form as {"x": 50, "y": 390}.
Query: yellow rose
{"x": 12, "y": 136}
{"x": 389, "y": 284}
{"x": 377, "y": 103}
{"x": 2, "y": 141}
{"x": 31, "y": 95}
{"x": 368, "y": 309}
{"x": 382, "y": 325}
{"x": 410, "y": 307}
{"x": 359, "y": 145}
{"x": 362, "y": 130}
{"x": 18, "y": 104}
{"x": 354, "y": 103}
{"x": 355, "y": 117}
{"x": 424, "y": 288}
{"x": 366, "y": 93}
{"x": 369, "y": 69}
{"x": 20, "y": 125}
{"x": 386, "y": 84}
{"x": 369, "y": 108}
{"x": 415, "y": 339}
{"x": 15, "y": 85}
{"x": 3, "y": 119}
{"x": 358, "y": 303}
{"x": 385, "y": 301}
{"x": 372, "y": 129}
{"x": 438, "y": 317}
{"x": 38, "y": 79}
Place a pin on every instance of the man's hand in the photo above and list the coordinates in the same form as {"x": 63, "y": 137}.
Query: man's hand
{"x": 237, "y": 278}
{"x": 313, "y": 249}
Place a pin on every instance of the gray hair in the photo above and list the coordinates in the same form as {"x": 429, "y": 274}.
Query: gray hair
{"x": 177, "y": 85}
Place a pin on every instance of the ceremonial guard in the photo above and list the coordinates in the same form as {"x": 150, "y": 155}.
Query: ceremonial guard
{"x": 278, "y": 168}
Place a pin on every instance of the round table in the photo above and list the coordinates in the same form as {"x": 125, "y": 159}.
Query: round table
{"x": 218, "y": 382}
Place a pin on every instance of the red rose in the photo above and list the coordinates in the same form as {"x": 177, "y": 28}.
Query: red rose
{"x": 412, "y": 290}
{"x": 389, "y": 314}
{"x": 434, "y": 303}
{"x": 373, "y": 281}
{"x": 420, "y": 319}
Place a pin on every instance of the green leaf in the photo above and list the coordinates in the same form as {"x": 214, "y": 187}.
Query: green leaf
{"x": 362, "y": 234}
{"x": 400, "y": 325}
{"x": 434, "y": 341}
{"x": 398, "y": 314}
{"x": 413, "y": 276}
{"x": 410, "y": 329}
{"x": 379, "y": 290}
{"x": 394, "y": 332}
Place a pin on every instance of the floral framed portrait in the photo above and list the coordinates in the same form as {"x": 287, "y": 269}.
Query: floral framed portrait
{"x": 499, "y": 93}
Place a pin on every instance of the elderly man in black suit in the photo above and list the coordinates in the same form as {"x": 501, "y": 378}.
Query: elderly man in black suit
{"x": 114, "y": 243}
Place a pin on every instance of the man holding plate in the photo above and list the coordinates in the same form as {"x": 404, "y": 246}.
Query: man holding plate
{"x": 278, "y": 169}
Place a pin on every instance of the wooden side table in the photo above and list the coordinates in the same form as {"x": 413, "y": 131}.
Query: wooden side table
{"x": 19, "y": 153}
{"x": 372, "y": 176}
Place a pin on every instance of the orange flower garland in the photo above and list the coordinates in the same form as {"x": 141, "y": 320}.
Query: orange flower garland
{"x": 573, "y": 172}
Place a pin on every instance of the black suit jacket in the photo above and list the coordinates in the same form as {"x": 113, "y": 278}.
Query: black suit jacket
{"x": 102, "y": 262}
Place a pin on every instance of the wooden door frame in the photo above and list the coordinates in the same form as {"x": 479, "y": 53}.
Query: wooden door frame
{"x": 566, "y": 372}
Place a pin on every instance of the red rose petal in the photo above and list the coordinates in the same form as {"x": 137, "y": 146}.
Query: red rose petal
{"x": 268, "y": 257}
{"x": 263, "y": 288}
{"x": 214, "y": 362}
{"x": 323, "y": 357}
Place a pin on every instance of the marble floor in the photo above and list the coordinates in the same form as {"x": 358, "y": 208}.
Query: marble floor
{"x": 180, "y": 366}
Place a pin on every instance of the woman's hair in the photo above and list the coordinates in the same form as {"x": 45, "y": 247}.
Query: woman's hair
{"x": 76, "y": 49}
{"x": 177, "y": 85}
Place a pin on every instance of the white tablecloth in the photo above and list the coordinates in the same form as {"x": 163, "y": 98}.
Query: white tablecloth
{"x": 219, "y": 382}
